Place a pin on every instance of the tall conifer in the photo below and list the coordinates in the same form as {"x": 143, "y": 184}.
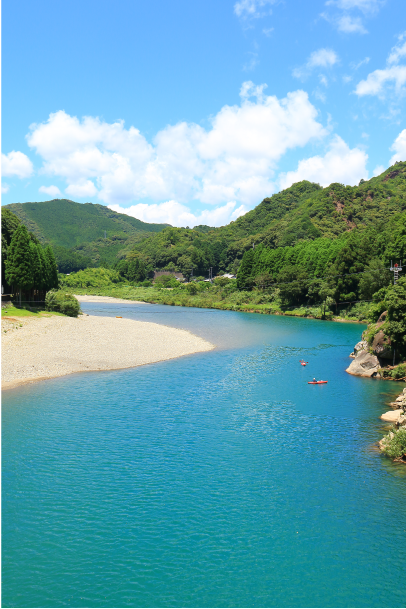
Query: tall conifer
{"x": 53, "y": 269}
{"x": 19, "y": 261}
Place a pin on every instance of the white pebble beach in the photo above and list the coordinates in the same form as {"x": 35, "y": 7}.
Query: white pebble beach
{"x": 38, "y": 348}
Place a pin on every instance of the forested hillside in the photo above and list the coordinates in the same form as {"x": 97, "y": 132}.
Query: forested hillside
{"x": 82, "y": 234}
{"x": 298, "y": 215}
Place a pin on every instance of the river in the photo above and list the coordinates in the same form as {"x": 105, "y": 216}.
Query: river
{"x": 220, "y": 479}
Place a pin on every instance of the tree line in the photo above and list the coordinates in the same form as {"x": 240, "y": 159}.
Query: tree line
{"x": 28, "y": 268}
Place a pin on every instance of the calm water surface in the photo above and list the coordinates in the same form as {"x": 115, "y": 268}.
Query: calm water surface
{"x": 216, "y": 480}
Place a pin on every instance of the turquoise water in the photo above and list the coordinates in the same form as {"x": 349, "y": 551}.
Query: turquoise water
{"x": 216, "y": 480}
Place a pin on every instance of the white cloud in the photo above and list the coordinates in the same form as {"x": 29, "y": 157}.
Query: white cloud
{"x": 176, "y": 214}
{"x": 268, "y": 31}
{"x": 252, "y": 8}
{"x": 375, "y": 82}
{"x": 340, "y": 164}
{"x": 322, "y": 58}
{"x": 82, "y": 189}
{"x": 378, "y": 170}
{"x": 350, "y": 25}
{"x": 399, "y": 147}
{"x": 16, "y": 163}
{"x": 4, "y": 188}
{"x": 366, "y": 6}
{"x": 398, "y": 51}
{"x": 363, "y": 62}
{"x": 52, "y": 191}
{"x": 233, "y": 160}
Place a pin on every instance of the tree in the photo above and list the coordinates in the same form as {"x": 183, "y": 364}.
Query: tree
{"x": 292, "y": 282}
{"x": 395, "y": 327}
{"x": 52, "y": 269}
{"x": 36, "y": 261}
{"x": 375, "y": 277}
{"x": 19, "y": 261}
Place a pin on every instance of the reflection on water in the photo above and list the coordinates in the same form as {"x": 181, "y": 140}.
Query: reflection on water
{"x": 219, "y": 479}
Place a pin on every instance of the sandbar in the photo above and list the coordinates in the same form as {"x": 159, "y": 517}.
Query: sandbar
{"x": 90, "y": 298}
{"x": 35, "y": 349}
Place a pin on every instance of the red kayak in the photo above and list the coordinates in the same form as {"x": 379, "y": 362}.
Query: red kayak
{"x": 304, "y": 363}
{"x": 316, "y": 382}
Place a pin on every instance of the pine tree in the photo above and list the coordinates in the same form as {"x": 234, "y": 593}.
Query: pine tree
{"x": 52, "y": 270}
{"x": 36, "y": 265}
{"x": 19, "y": 261}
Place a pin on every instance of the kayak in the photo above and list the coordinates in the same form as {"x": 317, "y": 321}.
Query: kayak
{"x": 304, "y": 363}
{"x": 316, "y": 382}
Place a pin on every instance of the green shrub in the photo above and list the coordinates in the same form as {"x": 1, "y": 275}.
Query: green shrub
{"x": 63, "y": 303}
{"x": 399, "y": 372}
{"x": 394, "y": 444}
{"x": 95, "y": 278}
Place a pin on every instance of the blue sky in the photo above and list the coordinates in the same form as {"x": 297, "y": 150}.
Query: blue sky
{"x": 193, "y": 112}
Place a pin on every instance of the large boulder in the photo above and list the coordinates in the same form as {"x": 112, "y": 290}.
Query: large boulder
{"x": 392, "y": 415}
{"x": 365, "y": 364}
{"x": 381, "y": 345}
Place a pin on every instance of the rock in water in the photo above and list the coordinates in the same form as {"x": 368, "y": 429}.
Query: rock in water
{"x": 392, "y": 415}
{"x": 364, "y": 364}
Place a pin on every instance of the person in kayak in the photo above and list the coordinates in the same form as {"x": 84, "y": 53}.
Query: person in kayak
{"x": 314, "y": 381}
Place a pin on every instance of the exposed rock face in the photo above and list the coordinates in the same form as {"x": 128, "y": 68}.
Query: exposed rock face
{"x": 392, "y": 415}
{"x": 361, "y": 346}
{"x": 364, "y": 364}
{"x": 381, "y": 345}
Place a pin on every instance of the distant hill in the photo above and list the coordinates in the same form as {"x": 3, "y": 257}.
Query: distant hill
{"x": 69, "y": 224}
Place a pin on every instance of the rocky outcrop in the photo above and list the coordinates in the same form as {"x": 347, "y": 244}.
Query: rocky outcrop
{"x": 364, "y": 364}
{"x": 381, "y": 345}
{"x": 361, "y": 346}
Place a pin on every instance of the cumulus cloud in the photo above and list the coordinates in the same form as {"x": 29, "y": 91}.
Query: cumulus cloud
{"x": 52, "y": 191}
{"x": 253, "y": 9}
{"x": 377, "y": 81}
{"x": 4, "y": 188}
{"x": 343, "y": 18}
{"x": 176, "y": 214}
{"x": 233, "y": 160}
{"x": 322, "y": 58}
{"x": 351, "y": 25}
{"x": 399, "y": 148}
{"x": 339, "y": 164}
{"x": 17, "y": 164}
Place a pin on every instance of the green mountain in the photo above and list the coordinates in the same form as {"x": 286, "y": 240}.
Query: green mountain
{"x": 302, "y": 213}
{"x": 69, "y": 224}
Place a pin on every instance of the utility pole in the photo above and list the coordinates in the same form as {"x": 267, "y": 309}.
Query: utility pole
{"x": 191, "y": 274}
{"x": 105, "y": 234}
{"x": 253, "y": 245}
{"x": 397, "y": 268}
{"x": 211, "y": 274}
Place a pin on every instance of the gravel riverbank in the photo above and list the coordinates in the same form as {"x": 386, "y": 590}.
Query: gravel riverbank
{"x": 47, "y": 347}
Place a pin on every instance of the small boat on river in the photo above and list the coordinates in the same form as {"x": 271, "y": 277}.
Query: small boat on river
{"x": 317, "y": 382}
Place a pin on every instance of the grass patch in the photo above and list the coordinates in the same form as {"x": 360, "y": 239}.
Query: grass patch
{"x": 17, "y": 312}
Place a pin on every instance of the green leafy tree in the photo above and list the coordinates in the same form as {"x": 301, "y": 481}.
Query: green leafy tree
{"x": 374, "y": 278}
{"x": 395, "y": 326}
{"x": 292, "y": 283}
{"x": 19, "y": 261}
